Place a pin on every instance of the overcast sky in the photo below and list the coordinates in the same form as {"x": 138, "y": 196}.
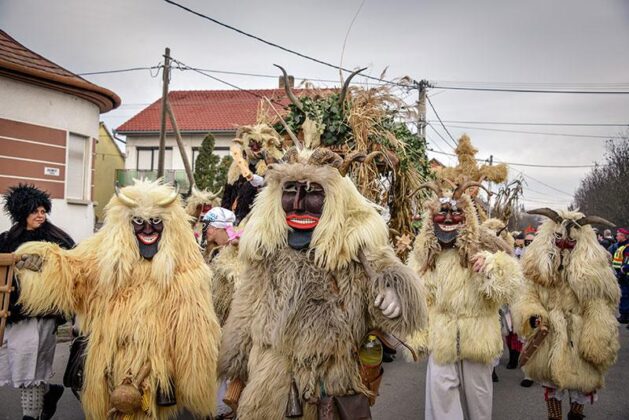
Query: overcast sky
{"x": 557, "y": 44}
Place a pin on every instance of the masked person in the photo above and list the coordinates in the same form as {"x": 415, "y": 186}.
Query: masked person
{"x": 567, "y": 310}
{"x": 468, "y": 273}
{"x": 318, "y": 273}
{"x": 140, "y": 289}
{"x": 27, "y": 355}
{"x": 620, "y": 264}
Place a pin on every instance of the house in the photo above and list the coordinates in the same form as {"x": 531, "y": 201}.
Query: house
{"x": 49, "y": 122}
{"x": 107, "y": 160}
{"x": 219, "y": 112}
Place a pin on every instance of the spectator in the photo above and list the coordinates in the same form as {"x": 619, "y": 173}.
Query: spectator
{"x": 620, "y": 263}
{"x": 608, "y": 239}
{"x": 27, "y": 354}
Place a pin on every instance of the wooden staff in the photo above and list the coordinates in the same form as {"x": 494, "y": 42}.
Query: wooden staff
{"x": 7, "y": 263}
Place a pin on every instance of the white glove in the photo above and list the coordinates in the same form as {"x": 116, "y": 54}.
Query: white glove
{"x": 256, "y": 180}
{"x": 31, "y": 262}
{"x": 389, "y": 303}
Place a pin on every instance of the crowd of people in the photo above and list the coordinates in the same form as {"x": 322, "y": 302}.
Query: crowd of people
{"x": 264, "y": 314}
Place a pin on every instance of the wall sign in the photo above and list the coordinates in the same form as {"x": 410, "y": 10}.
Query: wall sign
{"x": 51, "y": 171}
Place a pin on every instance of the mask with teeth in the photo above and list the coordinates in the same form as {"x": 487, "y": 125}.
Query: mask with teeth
{"x": 303, "y": 204}
{"x": 447, "y": 222}
{"x": 148, "y": 233}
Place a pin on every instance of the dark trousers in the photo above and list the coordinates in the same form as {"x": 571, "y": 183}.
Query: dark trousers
{"x": 624, "y": 299}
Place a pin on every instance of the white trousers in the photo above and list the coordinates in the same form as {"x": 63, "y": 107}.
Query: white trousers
{"x": 458, "y": 391}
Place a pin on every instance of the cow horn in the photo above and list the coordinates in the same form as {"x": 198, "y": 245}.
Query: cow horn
{"x": 351, "y": 158}
{"x": 550, "y": 213}
{"x": 346, "y": 85}
{"x": 465, "y": 186}
{"x": 589, "y": 220}
{"x": 289, "y": 91}
{"x": 168, "y": 200}
{"x": 431, "y": 186}
{"x": 129, "y": 202}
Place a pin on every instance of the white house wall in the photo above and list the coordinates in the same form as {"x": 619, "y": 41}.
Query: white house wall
{"x": 190, "y": 141}
{"x": 31, "y": 104}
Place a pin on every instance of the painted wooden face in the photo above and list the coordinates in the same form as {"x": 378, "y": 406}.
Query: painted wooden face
{"x": 148, "y": 233}
{"x": 448, "y": 221}
{"x": 302, "y": 202}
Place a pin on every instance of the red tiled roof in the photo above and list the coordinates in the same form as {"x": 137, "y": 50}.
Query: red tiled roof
{"x": 18, "y": 62}
{"x": 205, "y": 110}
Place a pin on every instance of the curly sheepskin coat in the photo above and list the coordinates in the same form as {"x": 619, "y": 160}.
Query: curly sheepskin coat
{"x": 303, "y": 314}
{"x": 225, "y": 268}
{"x": 462, "y": 304}
{"x": 135, "y": 310}
{"x": 577, "y": 303}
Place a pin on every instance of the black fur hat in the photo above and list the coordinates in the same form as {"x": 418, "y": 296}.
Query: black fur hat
{"x": 23, "y": 200}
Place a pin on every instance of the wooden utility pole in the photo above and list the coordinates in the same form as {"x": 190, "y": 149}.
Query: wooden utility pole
{"x": 182, "y": 150}
{"x": 422, "y": 86}
{"x": 162, "y": 130}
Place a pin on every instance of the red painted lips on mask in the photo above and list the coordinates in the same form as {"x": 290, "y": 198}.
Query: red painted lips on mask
{"x": 568, "y": 244}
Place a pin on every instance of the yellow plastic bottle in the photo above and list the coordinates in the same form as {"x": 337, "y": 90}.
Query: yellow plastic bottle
{"x": 371, "y": 352}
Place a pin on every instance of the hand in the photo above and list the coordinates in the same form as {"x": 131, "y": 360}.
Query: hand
{"x": 31, "y": 262}
{"x": 535, "y": 321}
{"x": 479, "y": 263}
{"x": 389, "y": 303}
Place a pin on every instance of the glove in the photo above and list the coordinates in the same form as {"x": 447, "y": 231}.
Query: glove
{"x": 31, "y": 262}
{"x": 389, "y": 303}
{"x": 535, "y": 321}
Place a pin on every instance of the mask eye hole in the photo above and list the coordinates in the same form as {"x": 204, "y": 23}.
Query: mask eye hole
{"x": 558, "y": 235}
{"x": 290, "y": 187}
{"x": 156, "y": 220}
{"x": 138, "y": 221}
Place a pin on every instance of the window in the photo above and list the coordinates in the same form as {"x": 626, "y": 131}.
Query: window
{"x": 78, "y": 167}
{"x": 147, "y": 158}
{"x": 195, "y": 155}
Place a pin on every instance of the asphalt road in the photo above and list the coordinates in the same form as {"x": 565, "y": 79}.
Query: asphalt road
{"x": 402, "y": 393}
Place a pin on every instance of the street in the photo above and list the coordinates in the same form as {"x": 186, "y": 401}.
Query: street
{"x": 402, "y": 393}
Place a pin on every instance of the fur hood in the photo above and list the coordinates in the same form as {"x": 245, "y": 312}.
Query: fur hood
{"x": 586, "y": 268}
{"x": 349, "y": 221}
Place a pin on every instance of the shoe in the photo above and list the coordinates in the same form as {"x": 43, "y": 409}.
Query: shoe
{"x": 526, "y": 383}
{"x": 575, "y": 416}
{"x": 514, "y": 356}
{"x": 51, "y": 398}
{"x": 387, "y": 357}
{"x": 28, "y": 418}
{"x": 627, "y": 326}
{"x": 494, "y": 376}
{"x": 623, "y": 319}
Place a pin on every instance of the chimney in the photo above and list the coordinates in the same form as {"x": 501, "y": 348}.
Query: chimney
{"x": 291, "y": 82}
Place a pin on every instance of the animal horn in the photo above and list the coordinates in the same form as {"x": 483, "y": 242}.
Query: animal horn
{"x": 323, "y": 156}
{"x": 129, "y": 202}
{"x": 588, "y": 220}
{"x": 346, "y": 85}
{"x": 465, "y": 186}
{"x": 351, "y": 158}
{"x": 214, "y": 195}
{"x": 289, "y": 91}
{"x": 371, "y": 156}
{"x": 168, "y": 200}
{"x": 550, "y": 213}
{"x": 292, "y": 135}
{"x": 431, "y": 186}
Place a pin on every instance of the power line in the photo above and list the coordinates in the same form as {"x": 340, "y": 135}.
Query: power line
{"x": 272, "y": 44}
{"x": 119, "y": 70}
{"x": 441, "y": 137}
{"x": 532, "y": 165}
{"x": 536, "y": 123}
{"x": 540, "y": 182}
{"x": 439, "y": 118}
{"x": 495, "y": 89}
{"x": 503, "y": 130}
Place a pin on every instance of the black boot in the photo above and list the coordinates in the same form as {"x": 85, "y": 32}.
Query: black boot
{"x": 575, "y": 416}
{"x": 623, "y": 318}
{"x": 494, "y": 376}
{"x": 514, "y": 355}
{"x": 51, "y": 398}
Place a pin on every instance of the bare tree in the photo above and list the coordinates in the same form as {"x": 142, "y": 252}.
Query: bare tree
{"x": 605, "y": 190}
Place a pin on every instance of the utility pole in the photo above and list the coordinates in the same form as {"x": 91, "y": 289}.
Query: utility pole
{"x": 491, "y": 162}
{"x": 162, "y": 130}
{"x": 422, "y": 86}
{"x": 182, "y": 149}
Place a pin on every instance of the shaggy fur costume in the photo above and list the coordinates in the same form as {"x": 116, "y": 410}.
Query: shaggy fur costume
{"x": 462, "y": 304}
{"x": 303, "y": 314}
{"x": 225, "y": 267}
{"x": 135, "y": 310}
{"x": 577, "y": 303}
